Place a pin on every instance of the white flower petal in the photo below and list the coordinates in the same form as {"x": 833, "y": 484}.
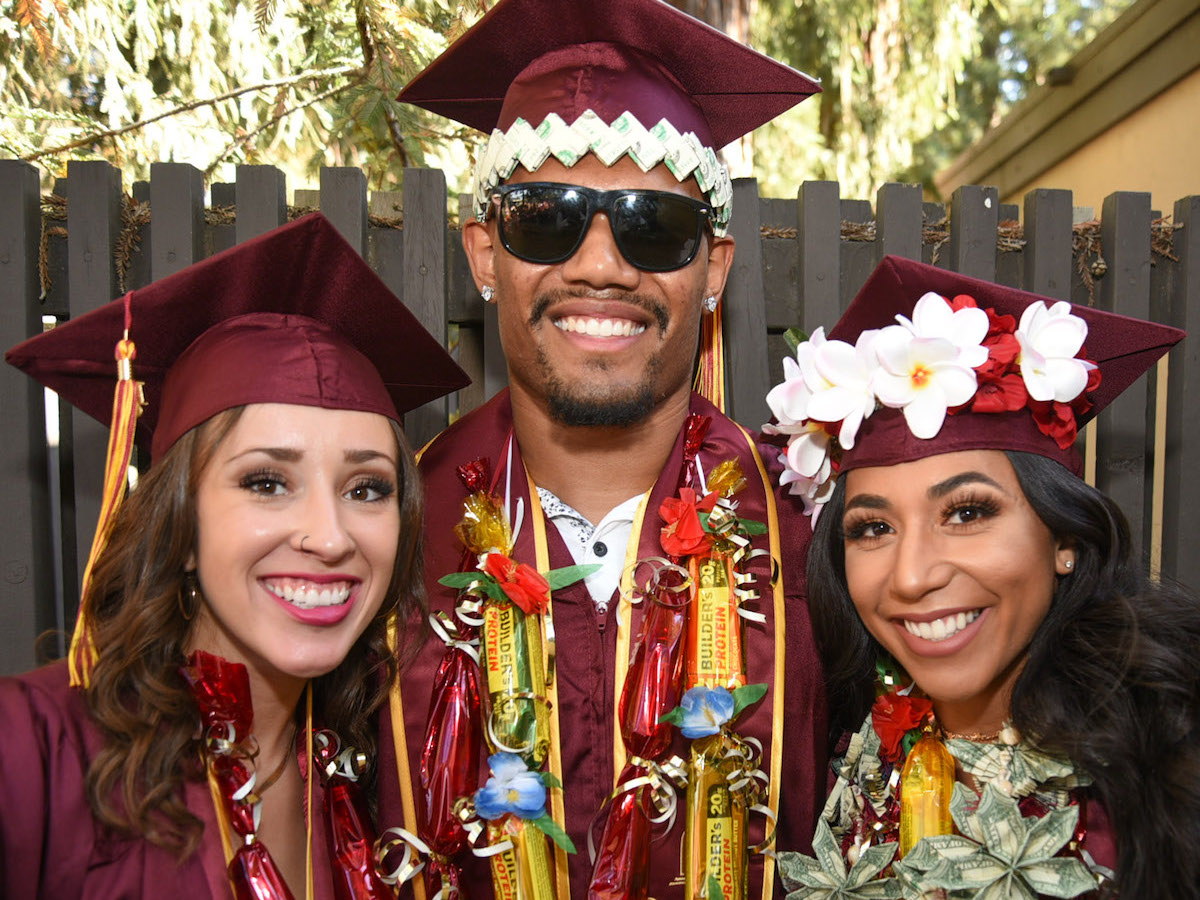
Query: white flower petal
{"x": 926, "y": 413}
{"x": 1068, "y": 376}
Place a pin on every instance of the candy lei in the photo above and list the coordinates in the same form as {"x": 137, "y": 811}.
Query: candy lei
{"x": 499, "y": 646}
{"x": 688, "y": 671}
{"x": 1022, "y": 837}
{"x": 221, "y": 690}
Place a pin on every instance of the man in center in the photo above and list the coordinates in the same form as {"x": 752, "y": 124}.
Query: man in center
{"x": 600, "y": 235}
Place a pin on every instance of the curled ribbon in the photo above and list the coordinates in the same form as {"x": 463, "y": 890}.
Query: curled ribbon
{"x": 474, "y": 827}
{"x": 662, "y": 778}
{"x": 501, "y": 701}
{"x": 410, "y": 863}
{"x": 448, "y": 633}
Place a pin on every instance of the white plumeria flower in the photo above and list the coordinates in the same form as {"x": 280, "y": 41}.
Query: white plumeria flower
{"x": 813, "y": 492}
{"x": 922, "y": 376}
{"x": 850, "y": 397}
{"x": 808, "y": 452}
{"x": 788, "y": 400}
{"x": 965, "y": 328}
{"x": 1049, "y": 338}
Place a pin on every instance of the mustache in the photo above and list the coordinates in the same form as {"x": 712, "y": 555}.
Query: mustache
{"x": 647, "y": 304}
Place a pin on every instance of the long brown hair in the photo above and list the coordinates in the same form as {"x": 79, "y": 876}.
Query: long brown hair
{"x": 138, "y": 697}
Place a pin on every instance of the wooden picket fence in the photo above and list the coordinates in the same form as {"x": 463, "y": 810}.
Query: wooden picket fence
{"x": 798, "y": 263}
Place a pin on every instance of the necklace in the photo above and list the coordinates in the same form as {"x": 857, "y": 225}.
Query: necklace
{"x": 289, "y": 749}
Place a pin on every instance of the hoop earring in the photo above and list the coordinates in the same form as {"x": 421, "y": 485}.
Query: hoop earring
{"x": 190, "y": 589}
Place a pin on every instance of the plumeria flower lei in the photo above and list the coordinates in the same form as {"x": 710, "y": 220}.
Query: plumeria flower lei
{"x": 951, "y": 356}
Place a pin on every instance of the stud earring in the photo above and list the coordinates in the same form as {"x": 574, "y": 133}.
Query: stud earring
{"x": 710, "y": 303}
{"x": 488, "y": 293}
{"x": 1070, "y": 564}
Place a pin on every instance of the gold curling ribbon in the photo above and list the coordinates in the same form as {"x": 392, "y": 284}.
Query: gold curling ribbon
{"x": 128, "y": 401}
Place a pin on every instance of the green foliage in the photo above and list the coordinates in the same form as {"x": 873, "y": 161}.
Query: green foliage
{"x": 906, "y": 85}
{"x": 294, "y": 84}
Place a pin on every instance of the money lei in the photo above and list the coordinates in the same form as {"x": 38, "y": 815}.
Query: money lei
{"x": 997, "y": 853}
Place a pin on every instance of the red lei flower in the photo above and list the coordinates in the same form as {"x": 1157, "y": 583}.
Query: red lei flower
{"x": 683, "y": 534}
{"x": 521, "y": 583}
{"x": 893, "y": 715}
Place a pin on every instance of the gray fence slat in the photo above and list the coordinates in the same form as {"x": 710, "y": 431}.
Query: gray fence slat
{"x": 93, "y": 224}
{"x": 177, "y": 217}
{"x": 974, "y": 214}
{"x": 1181, "y": 487}
{"x": 858, "y": 257}
{"x": 1124, "y": 429}
{"x": 898, "y": 221}
{"x": 462, "y": 297}
{"x": 1047, "y": 257}
{"x": 781, "y": 262}
{"x": 744, "y": 313}
{"x": 223, "y": 193}
{"x": 261, "y": 197}
{"x": 26, "y": 548}
{"x": 425, "y": 278}
{"x": 344, "y": 203}
{"x": 819, "y": 236}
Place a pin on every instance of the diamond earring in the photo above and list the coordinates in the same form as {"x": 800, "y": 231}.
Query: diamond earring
{"x": 710, "y": 303}
{"x": 488, "y": 293}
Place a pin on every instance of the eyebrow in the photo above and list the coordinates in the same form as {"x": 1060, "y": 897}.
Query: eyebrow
{"x": 291, "y": 454}
{"x": 935, "y": 492}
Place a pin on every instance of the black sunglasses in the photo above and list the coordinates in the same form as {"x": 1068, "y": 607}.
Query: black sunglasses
{"x": 544, "y": 222}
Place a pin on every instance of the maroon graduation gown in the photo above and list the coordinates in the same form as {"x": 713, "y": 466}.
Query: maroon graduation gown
{"x": 51, "y": 847}
{"x": 586, "y": 644}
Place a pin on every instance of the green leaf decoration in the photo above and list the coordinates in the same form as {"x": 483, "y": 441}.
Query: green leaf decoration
{"x": 752, "y": 526}
{"x": 486, "y": 583}
{"x": 462, "y": 580}
{"x": 714, "y": 889}
{"x": 674, "y": 717}
{"x": 827, "y": 878}
{"x": 550, "y": 780}
{"x": 560, "y": 578}
{"x": 794, "y": 337}
{"x": 553, "y": 830}
{"x": 747, "y": 695}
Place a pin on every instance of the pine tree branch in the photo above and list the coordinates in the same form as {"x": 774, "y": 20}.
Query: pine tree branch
{"x": 395, "y": 132}
{"x": 187, "y": 107}
{"x": 249, "y": 136}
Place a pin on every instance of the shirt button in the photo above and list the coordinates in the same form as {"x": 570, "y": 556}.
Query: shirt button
{"x": 599, "y": 548}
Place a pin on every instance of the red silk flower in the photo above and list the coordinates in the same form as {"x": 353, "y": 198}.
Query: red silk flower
{"x": 893, "y": 716}
{"x": 683, "y": 534}
{"x": 521, "y": 583}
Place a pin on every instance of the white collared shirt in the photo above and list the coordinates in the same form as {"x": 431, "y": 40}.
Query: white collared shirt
{"x": 605, "y": 543}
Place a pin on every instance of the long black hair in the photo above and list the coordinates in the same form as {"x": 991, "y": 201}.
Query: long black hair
{"x": 1112, "y": 676}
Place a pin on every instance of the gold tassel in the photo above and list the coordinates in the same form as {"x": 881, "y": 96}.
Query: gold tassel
{"x": 128, "y": 401}
{"x": 710, "y": 374}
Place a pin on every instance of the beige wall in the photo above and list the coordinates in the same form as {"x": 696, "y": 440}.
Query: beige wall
{"x": 1156, "y": 149}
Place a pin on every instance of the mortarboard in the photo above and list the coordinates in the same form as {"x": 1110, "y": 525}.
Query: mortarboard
{"x": 568, "y": 77}
{"x": 926, "y": 361}
{"x": 292, "y": 316}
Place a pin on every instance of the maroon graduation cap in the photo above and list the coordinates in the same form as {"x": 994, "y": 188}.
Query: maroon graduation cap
{"x": 292, "y": 316}
{"x": 1123, "y": 349}
{"x": 530, "y": 58}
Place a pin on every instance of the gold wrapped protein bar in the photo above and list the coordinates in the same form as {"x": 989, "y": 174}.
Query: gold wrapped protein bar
{"x": 516, "y": 678}
{"x": 715, "y": 839}
{"x": 525, "y": 872}
{"x": 714, "y": 650}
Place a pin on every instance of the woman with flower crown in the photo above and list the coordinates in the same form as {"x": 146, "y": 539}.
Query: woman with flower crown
{"x": 1015, "y": 703}
{"x": 211, "y": 734}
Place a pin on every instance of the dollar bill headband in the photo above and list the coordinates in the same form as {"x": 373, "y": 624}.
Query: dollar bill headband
{"x": 293, "y": 316}
{"x": 926, "y": 361}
